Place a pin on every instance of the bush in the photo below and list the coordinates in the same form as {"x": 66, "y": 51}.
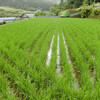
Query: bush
{"x": 43, "y": 14}
{"x": 86, "y": 12}
{"x": 40, "y": 13}
{"x": 55, "y": 10}
{"x": 96, "y": 12}
{"x": 51, "y": 14}
{"x": 37, "y": 13}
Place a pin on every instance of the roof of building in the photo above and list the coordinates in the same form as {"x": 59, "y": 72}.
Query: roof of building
{"x": 27, "y": 15}
{"x": 2, "y": 22}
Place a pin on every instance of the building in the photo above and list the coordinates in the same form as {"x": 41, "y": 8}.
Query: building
{"x": 37, "y": 11}
{"x": 27, "y": 15}
{"x": 2, "y": 22}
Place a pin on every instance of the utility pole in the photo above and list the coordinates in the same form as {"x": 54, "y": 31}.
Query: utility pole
{"x": 94, "y": 1}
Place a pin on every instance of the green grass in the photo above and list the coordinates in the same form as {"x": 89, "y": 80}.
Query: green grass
{"x": 24, "y": 47}
{"x": 11, "y": 12}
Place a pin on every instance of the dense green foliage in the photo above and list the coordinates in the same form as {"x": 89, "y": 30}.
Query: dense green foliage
{"x": 69, "y": 4}
{"x": 28, "y": 4}
{"x": 95, "y": 14}
{"x": 90, "y": 13}
{"x": 86, "y": 12}
{"x": 24, "y": 46}
{"x": 40, "y": 13}
{"x": 78, "y": 3}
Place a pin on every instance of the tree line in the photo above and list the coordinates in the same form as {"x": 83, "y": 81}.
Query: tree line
{"x": 65, "y": 4}
{"x": 70, "y": 4}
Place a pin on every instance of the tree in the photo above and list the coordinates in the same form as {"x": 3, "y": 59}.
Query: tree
{"x": 89, "y": 2}
{"x": 37, "y": 13}
{"x": 55, "y": 10}
{"x": 86, "y": 12}
{"x": 62, "y": 1}
{"x": 78, "y": 3}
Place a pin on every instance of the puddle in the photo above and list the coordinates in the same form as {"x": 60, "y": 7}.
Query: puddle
{"x": 49, "y": 52}
{"x": 69, "y": 61}
{"x": 58, "y": 70}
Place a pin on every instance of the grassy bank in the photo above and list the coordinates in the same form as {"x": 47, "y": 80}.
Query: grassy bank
{"x": 11, "y": 12}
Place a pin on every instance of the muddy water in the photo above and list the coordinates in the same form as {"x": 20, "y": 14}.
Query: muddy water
{"x": 49, "y": 52}
{"x": 58, "y": 70}
{"x": 69, "y": 61}
{"x": 93, "y": 72}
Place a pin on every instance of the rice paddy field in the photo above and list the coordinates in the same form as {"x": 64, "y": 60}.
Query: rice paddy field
{"x": 50, "y": 59}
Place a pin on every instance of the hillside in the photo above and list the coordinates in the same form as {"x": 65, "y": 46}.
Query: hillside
{"x": 94, "y": 11}
{"x": 28, "y": 4}
{"x": 11, "y": 12}
{"x": 71, "y": 4}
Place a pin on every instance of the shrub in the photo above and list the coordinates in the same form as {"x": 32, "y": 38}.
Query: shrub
{"x": 43, "y": 14}
{"x": 55, "y": 10}
{"x": 86, "y": 12}
{"x": 96, "y": 12}
{"x": 51, "y": 14}
{"x": 40, "y": 13}
{"x": 37, "y": 13}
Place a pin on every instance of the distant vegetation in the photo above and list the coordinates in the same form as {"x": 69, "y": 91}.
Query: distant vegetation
{"x": 66, "y": 4}
{"x": 29, "y": 4}
{"x": 64, "y": 7}
{"x": 83, "y": 12}
{"x": 70, "y": 4}
{"x": 40, "y": 13}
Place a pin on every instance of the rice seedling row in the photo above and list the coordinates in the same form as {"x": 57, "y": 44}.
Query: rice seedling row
{"x": 50, "y": 59}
